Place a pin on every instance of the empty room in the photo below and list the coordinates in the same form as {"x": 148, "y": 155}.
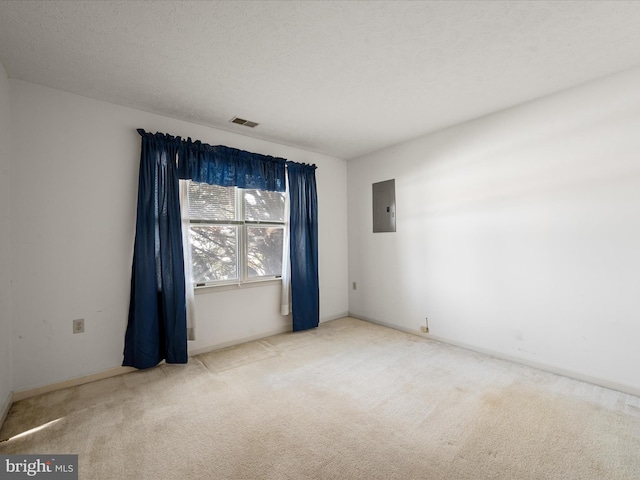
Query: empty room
{"x": 288, "y": 240}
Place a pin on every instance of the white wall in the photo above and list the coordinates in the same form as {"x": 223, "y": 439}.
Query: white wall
{"x": 517, "y": 233}
{"x": 74, "y": 183}
{"x": 5, "y": 258}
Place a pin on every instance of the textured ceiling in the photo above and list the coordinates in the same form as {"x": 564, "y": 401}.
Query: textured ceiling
{"x": 342, "y": 78}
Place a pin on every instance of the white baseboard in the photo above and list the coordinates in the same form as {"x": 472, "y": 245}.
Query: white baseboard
{"x": 251, "y": 338}
{"x": 74, "y": 382}
{"x": 4, "y": 408}
{"x": 238, "y": 341}
{"x": 602, "y": 382}
{"x": 336, "y": 316}
{"x": 384, "y": 324}
{"x": 112, "y": 372}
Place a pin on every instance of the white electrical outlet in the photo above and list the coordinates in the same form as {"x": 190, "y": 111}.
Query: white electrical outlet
{"x": 78, "y": 326}
{"x": 424, "y": 329}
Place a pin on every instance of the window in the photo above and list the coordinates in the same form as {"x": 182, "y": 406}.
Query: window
{"x": 236, "y": 234}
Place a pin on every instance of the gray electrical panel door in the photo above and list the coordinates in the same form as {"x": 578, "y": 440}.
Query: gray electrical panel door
{"x": 384, "y": 206}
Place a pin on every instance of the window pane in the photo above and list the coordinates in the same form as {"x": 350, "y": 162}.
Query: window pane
{"x": 214, "y": 252}
{"x": 264, "y": 251}
{"x": 263, "y": 206}
{"x": 211, "y": 202}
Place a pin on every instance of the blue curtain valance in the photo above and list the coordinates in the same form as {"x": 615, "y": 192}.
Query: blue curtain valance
{"x": 220, "y": 165}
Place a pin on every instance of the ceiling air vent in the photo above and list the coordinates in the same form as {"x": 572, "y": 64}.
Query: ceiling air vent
{"x": 242, "y": 121}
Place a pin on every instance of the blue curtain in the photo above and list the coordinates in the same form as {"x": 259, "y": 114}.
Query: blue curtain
{"x": 305, "y": 295}
{"x": 220, "y": 165}
{"x": 157, "y": 327}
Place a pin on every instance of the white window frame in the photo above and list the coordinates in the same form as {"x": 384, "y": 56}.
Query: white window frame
{"x": 242, "y": 267}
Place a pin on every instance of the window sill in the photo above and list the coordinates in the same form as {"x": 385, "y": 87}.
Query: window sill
{"x": 221, "y": 287}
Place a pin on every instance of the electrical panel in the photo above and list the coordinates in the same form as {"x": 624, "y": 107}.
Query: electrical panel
{"x": 384, "y": 206}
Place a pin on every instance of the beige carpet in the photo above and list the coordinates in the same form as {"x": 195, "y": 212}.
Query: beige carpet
{"x": 349, "y": 400}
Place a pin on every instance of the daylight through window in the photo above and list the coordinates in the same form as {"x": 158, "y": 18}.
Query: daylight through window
{"x": 236, "y": 234}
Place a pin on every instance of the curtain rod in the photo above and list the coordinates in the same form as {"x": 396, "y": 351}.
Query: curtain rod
{"x": 199, "y": 143}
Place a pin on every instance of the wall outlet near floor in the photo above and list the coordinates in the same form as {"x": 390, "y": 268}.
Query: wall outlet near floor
{"x": 424, "y": 329}
{"x": 78, "y": 326}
